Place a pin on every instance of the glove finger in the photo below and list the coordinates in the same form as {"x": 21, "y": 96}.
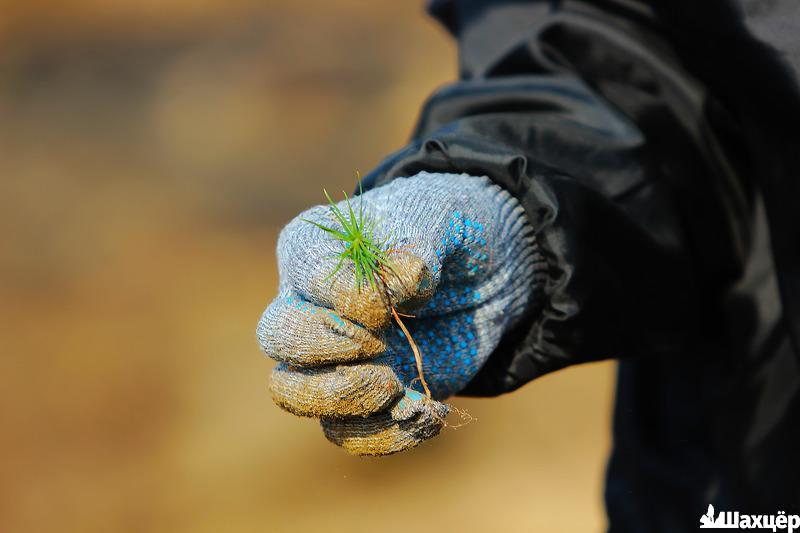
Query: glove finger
{"x": 408, "y": 284}
{"x": 335, "y": 391}
{"x": 308, "y": 255}
{"x": 411, "y": 420}
{"x": 303, "y": 334}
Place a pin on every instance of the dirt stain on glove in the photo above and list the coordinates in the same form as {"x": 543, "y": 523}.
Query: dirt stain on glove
{"x": 335, "y": 391}
{"x": 408, "y": 285}
{"x": 405, "y": 426}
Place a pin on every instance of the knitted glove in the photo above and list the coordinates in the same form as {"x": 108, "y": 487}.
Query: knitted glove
{"x": 463, "y": 261}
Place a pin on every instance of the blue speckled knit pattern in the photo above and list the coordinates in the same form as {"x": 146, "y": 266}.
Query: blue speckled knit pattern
{"x": 480, "y": 260}
{"x": 483, "y": 279}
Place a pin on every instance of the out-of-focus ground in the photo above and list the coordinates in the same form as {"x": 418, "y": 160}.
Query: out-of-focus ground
{"x": 149, "y": 153}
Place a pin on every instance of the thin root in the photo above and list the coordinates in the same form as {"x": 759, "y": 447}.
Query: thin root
{"x": 409, "y": 338}
{"x": 466, "y": 418}
{"x": 463, "y": 414}
{"x": 399, "y": 249}
{"x": 414, "y": 348}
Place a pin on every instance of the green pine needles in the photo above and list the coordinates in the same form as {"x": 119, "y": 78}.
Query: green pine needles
{"x": 370, "y": 260}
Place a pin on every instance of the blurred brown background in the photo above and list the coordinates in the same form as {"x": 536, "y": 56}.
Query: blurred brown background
{"x": 149, "y": 153}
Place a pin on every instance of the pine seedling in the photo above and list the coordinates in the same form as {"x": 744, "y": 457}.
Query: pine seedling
{"x": 370, "y": 259}
{"x": 360, "y": 246}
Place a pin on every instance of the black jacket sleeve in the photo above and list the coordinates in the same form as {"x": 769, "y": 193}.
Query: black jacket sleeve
{"x": 633, "y": 175}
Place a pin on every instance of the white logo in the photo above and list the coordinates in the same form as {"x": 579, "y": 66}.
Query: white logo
{"x": 736, "y": 520}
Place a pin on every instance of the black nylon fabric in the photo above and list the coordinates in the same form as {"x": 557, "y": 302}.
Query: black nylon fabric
{"x": 578, "y": 169}
{"x": 641, "y": 152}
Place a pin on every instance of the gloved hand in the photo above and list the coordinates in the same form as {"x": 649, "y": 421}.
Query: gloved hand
{"x": 463, "y": 260}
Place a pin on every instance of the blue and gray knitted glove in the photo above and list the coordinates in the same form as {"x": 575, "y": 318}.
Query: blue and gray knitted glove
{"x": 464, "y": 262}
